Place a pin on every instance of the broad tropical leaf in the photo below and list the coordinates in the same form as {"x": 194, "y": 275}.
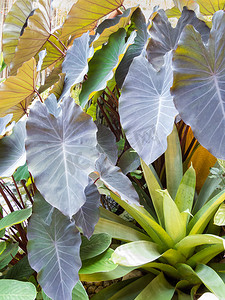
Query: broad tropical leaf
{"x": 87, "y": 216}
{"x": 206, "y": 7}
{"x": 54, "y": 251}
{"x": 52, "y": 78}
{"x": 136, "y": 253}
{"x": 107, "y": 143}
{"x": 69, "y": 146}
{"x": 97, "y": 244}
{"x": 12, "y": 150}
{"x": 7, "y": 255}
{"x": 20, "y": 271}
{"x": 146, "y": 108}
{"x": 34, "y": 37}
{"x": 115, "y": 180}
{"x": 3, "y": 123}
{"x": 15, "y": 90}
{"x": 113, "y": 25}
{"x": 13, "y": 24}
{"x": 139, "y": 23}
{"x": 165, "y": 38}
{"x": 79, "y": 292}
{"x": 13, "y": 289}
{"x": 84, "y": 15}
{"x": 102, "y": 64}
{"x": 75, "y": 64}
{"x": 198, "y": 86}
{"x": 129, "y": 161}
{"x": 15, "y": 217}
{"x": 21, "y": 173}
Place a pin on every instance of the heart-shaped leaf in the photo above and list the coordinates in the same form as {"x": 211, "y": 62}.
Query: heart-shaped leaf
{"x": 68, "y": 143}
{"x": 139, "y": 23}
{"x": 88, "y": 215}
{"x": 54, "y": 251}
{"x": 146, "y": 108}
{"x": 165, "y": 38}
{"x": 198, "y": 86}
{"x": 84, "y": 15}
{"x": 17, "y": 90}
{"x": 12, "y": 150}
{"x": 75, "y": 65}
{"x": 13, "y": 24}
{"x": 34, "y": 37}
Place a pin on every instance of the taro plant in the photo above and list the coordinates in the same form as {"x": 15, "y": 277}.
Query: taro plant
{"x": 132, "y": 78}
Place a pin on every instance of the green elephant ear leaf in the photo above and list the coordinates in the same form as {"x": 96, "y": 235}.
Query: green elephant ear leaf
{"x": 12, "y": 150}
{"x": 13, "y": 25}
{"x": 102, "y": 64}
{"x": 13, "y": 289}
{"x": 69, "y": 146}
{"x": 75, "y": 64}
{"x": 84, "y": 15}
{"x": 17, "y": 90}
{"x": 54, "y": 251}
{"x": 165, "y": 38}
{"x": 146, "y": 108}
{"x": 139, "y": 23}
{"x": 15, "y": 217}
{"x": 34, "y": 37}
{"x": 87, "y": 216}
{"x": 198, "y": 86}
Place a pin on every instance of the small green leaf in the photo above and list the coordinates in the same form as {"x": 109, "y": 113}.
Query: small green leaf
{"x": 79, "y": 292}
{"x": 219, "y": 218}
{"x": 2, "y": 247}
{"x": 100, "y": 263}
{"x": 7, "y": 255}
{"x": 22, "y": 173}
{"x": 15, "y": 217}
{"x": 158, "y": 289}
{"x": 12, "y": 289}
{"x": 136, "y": 253}
{"x": 174, "y": 223}
{"x": 211, "y": 280}
{"x": 96, "y": 245}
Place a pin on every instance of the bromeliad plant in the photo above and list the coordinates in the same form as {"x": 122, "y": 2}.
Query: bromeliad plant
{"x": 68, "y": 155}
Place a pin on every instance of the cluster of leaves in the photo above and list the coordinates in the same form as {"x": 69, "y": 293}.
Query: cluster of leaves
{"x": 164, "y": 72}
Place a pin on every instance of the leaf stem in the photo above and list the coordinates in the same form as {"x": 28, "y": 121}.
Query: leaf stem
{"x": 17, "y": 189}
{"x": 27, "y": 192}
{"x": 59, "y": 41}
{"x": 36, "y": 91}
{"x": 57, "y": 48}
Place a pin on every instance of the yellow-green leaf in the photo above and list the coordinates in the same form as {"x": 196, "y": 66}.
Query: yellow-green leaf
{"x": 219, "y": 218}
{"x": 13, "y": 24}
{"x": 19, "y": 88}
{"x": 84, "y": 14}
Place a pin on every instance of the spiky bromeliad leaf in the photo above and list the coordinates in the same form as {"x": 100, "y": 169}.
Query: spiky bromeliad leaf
{"x": 34, "y": 37}
{"x": 136, "y": 48}
{"x": 13, "y": 24}
{"x": 165, "y": 38}
{"x": 88, "y": 215}
{"x": 102, "y": 64}
{"x": 75, "y": 65}
{"x": 12, "y": 150}
{"x": 199, "y": 84}
{"x": 62, "y": 151}
{"x": 54, "y": 250}
{"x": 17, "y": 91}
{"x": 146, "y": 108}
{"x": 84, "y": 15}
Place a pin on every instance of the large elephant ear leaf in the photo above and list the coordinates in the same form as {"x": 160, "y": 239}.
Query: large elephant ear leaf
{"x": 34, "y": 37}
{"x": 87, "y": 217}
{"x": 17, "y": 90}
{"x": 146, "y": 108}
{"x": 199, "y": 86}
{"x": 75, "y": 65}
{"x": 139, "y": 23}
{"x": 164, "y": 37}
{"x": 102, "y": 64}
{"x": 54, "y": 251}
{"x": 62, "y": 151}
{"x": 84, "y": 15}
{"x": 12, "y": 150}
{"x": 13, "y": 25}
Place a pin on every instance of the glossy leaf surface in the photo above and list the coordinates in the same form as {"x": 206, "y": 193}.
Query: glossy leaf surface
{"x": 68, "y": 145}
{"x": 146, "y": 108}
{"x": 15, "y": 217}
{"x": 12, "y": 150}
{"x": 219, "y": 218}
{"x": 198, "y": 86}
{"x": 12, "y": 289}
{"x": 3, "y": 123}
{"x": 54, "y": 250}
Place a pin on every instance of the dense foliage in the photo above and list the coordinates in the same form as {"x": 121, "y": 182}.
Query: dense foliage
{"x": 112, "y": 108}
